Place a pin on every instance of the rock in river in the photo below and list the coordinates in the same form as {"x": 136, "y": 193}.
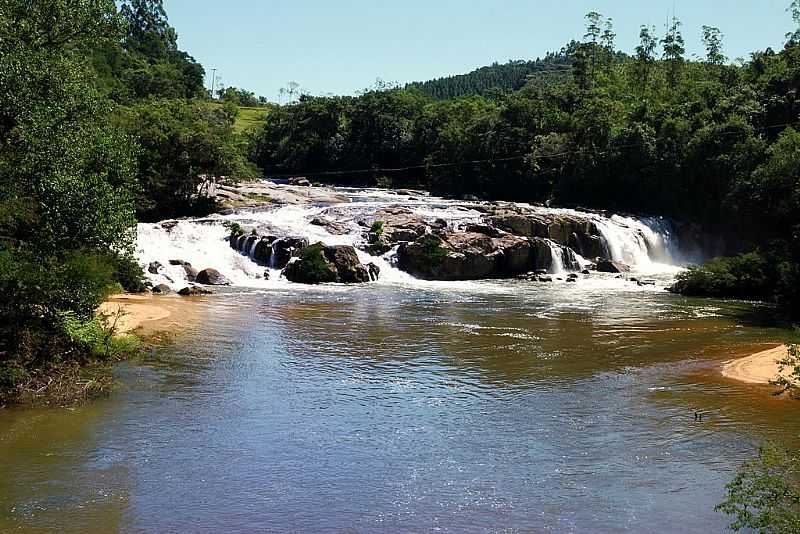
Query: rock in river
{"x": 319, "y": 264}
{"x": 211, "y": 277}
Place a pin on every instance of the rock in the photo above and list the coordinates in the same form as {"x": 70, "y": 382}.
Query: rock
{"x": 319, "y": 264}
{"x": 572, "y": 276}
{"x": 612, "y": 266}
{"x": 586, "y": 271}
{"x": 180, "y": 262}
{"x": 211, "y": 277}
{"x": 374, "y": 271}
{"x": 572, "y": 280}
{"x": 190, "y": 272}
{"x": 262, "y": 252}
{"x": 332, "y": 227}
{"x": 299, "y": 181}
{"x": 465, "y": 256}
{"x": 154, "y": 267}
{"x": 169, "y": 225}
{"x": 484, "y": 229}
{"x": 162, "y": 289}
{"x": 544, "y": 279}
{"x": 647, "y": 282}
{"x": 286, "y": 248}
{"x": 266, "y": 275}
{"x": 193, "y": 291}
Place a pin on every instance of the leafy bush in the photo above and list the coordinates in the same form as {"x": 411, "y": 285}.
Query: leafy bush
{"x": 377, "y": 228}
{"x": 746, "y": 276}
{"x": 765, "y": 494}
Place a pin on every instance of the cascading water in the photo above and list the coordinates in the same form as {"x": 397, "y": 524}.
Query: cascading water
{"x": 647, "y": 245}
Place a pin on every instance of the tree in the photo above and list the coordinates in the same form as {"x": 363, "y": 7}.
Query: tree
{"x": 712, "y": 40}
{"x": 645, "y": 57}
{"x": 674, "y": 49}
{"x": 765, "y": 494}
{"x": 793, "y": 38}
{"x": 66, "y": 180}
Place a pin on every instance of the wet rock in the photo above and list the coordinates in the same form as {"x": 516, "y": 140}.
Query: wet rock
{"x": 179, "y": 262}
{"x": 190, "y": 272}
{"x": 332, "y": 227}
{"x": 162, "y": 289}
{"x": 465, "y": 256}
{"x": 374, "y": 271}
{"x": 262, "y": 252}
{"x": 544, "y": 279}
{"x": 169, "y": 225}
{"x": 612, "y": 266}
{"x": 586, "y": 271}
{"x": 193, "y": 291}
{"x": 154, "y": 267}
{"x": 211, "y": 277}
{"x": 301, "y": 181}
{"x": 286, "y": 248}
{"x": 646, "y": 282}
{"x": 319, "y": 264}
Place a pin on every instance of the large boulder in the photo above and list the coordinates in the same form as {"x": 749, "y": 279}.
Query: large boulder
{"x": 286, "y": 248}
{"x": 612, "y": 266}
{"x": 465, "y": 256}
{"x": 162, "y": 289}
{"x": 211, "y": 277}
{"x": 319, "y": 264}
{"x": 262, "y": 252}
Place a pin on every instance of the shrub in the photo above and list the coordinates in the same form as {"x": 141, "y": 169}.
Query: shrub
{"x": 765, "y": 494}
{"x": 745, "y": 276}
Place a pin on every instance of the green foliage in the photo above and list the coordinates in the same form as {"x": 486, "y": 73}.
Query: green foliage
{"x": 746, "y": 276}
{"x": 66, "y": 181}
{"x": 499, "y": 78}
{"x": 234, "y": 227}
{"x": 314, "y": 266}
{"x": 789, "y": 382}
{"x": 377, "y": 228}
{"x": 765, "y": 494}
{"x": 146, "y": 61}
{"x": 183, "y": 146}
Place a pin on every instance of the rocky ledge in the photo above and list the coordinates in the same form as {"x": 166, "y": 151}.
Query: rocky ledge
{"x": 319, "y": 264}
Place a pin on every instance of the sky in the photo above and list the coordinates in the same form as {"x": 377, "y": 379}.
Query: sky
{"x": 344, "y": 46}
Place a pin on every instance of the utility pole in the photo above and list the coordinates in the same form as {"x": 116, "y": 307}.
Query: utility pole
{"x": 213, "y": 80}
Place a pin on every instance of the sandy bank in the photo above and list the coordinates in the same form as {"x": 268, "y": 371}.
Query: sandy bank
{"x": 148, "y": 313}
{"x": 757, "y": 368}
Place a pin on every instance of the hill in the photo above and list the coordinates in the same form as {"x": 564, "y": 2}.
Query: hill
{"x": 511, "y": 76}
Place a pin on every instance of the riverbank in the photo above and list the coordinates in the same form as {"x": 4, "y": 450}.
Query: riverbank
{"x": 148, "y": 314}
{"x": 759, "y": 368}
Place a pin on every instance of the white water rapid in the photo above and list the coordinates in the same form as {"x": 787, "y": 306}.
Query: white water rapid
{"x": 647, "y": 245}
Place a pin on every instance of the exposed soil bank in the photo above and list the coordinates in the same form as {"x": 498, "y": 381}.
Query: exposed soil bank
{"x": 148, "y": 314}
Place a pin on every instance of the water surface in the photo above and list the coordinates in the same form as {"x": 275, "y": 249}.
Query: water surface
{"x": 506, "y": 406}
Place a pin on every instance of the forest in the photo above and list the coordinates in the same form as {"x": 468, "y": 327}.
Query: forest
{"x": 652, "y": 132}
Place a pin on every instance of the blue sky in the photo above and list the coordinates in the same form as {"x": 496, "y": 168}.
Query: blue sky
{"x": 342, "y": 46}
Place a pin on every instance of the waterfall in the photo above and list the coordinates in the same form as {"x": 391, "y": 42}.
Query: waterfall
{"x": 648, "y": 245}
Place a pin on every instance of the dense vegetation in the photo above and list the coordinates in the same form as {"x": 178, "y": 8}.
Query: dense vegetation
{"x": 499, "y": 78}
{"x": 652, "y": 132}
{"x": 96, "y": 124}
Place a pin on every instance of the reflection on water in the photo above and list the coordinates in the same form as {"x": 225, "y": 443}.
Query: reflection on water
{"x": 520, "y": 407}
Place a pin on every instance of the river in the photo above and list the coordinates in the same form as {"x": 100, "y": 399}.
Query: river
{"x": 406, "y": 406}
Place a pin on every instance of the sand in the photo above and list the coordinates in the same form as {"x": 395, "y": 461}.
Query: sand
{"x": 147, "y": 312}
{"x": 757, "y": 368}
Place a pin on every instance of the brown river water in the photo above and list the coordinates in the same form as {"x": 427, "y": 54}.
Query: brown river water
{"x": 506, "y": 406}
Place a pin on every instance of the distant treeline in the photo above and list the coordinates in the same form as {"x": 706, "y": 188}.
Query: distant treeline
{"x": 497, "y": 78}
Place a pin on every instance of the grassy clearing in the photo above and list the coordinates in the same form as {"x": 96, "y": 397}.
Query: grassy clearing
{"x": 249, "y": 117}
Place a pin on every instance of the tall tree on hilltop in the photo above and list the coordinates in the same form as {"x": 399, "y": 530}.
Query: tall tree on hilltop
{"x": 712, "y": 40}
{"x": 674, "y": 49}
{"x": 645, "y": 55}
{"x": 149, "y": 31}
